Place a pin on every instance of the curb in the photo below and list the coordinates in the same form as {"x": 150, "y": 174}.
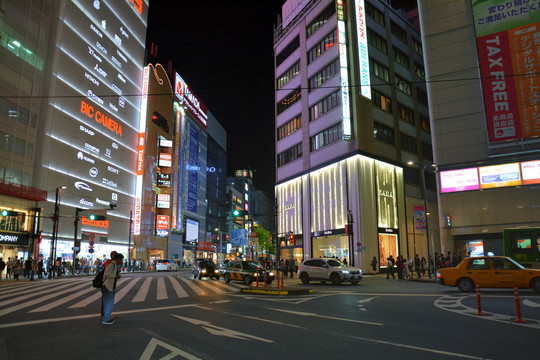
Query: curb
{"x": 276, "y": 291}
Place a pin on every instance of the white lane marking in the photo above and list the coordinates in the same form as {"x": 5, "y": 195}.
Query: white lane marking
{"x": 94, "y": 297}
{"x": 161, "y": 293}
{"x": 212, "y": 287}
{"x": 174, "y": 351}
{"x": 78, "y": 317}
{"x": 193, "y": 287}
{"x": 442, "y": 352}
{"x": 220, "y": 331}
{"x": 30, "y": 288}
{"x": 530, "y": 303}
{"x": 61, "y": 301}
{"x": 143, "y": 290}
{"x": 224, "y": 286}
{"x": 300, "y": 313}
{"x": 260, "y": 319}
{"x": 361, "y": 301}
{"x": 40, "y": 299}
{"x": 33, "y": 294}
{"x": 119, "y": 295}
{"x": 180, "y": 292}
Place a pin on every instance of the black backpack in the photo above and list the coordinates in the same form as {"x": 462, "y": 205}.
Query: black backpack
{"x": 98, "y": 280}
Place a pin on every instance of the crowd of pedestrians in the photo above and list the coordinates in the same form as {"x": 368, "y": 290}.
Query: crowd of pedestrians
{"x": 407, "y": 269}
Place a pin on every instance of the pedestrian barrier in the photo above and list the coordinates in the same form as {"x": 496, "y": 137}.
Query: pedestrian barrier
{"x": 478, "y": 300}
{"x": 518, "y": 306}
{"x": 257, "y": 275}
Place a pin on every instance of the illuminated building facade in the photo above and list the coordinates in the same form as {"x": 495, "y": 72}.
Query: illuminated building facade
{"x": 482, "y": 63}
{"x": 351, "y": 112}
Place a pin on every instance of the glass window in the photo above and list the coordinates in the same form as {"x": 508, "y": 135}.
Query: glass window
{"x": 375, "y": 14}
{"x": 403, "y": 85}
{"x": 288, "y": 75}
{"x": 328, "y": 42}
{"x": 376, "y": 41}
{"x": 289, "y": 127}
{"x": 427, "y": 151}
{"x": 320, "y": 19}
{"x": 401, "y": 58}
{"x": 379, "y": 70}
{"x": 289, "y": 100}
{"x": 320, "y": 78}
{"x": 289, "y": 155}
{"x": 398, "y": 32}
{"x": 406, "y": 113}
{"x": 424, "y": 121}
{"x": 288, "y": 50}
{"x": 384, "y": 133}
{"x": 478, "y": 264}
{"x": 326, "y": 137}
{"x": 325, "y": 105}
{"x": 417, "y": 46}
{"x": 411, "y": 175}
{"x": 419, "y": 71}
{"x": 408, "y": 143}
{"x": 381, "y": 101}
{"x": 422, "y": 96}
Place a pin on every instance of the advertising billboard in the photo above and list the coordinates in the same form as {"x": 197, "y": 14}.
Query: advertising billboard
{"x": 186, "y": 96}
{"x": 363, "y": 56}
{"x": 93, "y": 139}
{"x": 530, "y": 172}
{"x": 192, "y": 231}
{"x": 344, "y": 71}
{"x": 459, "y": 180}
{"x": 508, "y": 51}
{"x": 499, "y": 175}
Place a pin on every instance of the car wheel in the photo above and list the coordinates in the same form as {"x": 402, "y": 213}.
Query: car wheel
{"x": 355, "y": 282}
{"x": 335, "y": 279}
{"x": 304, "y": 277}
{"x": 465, "y": 285}
{"x": 535, "y": 285}
{"x": 247, "y": 280}
{"x": 226, "y": 278}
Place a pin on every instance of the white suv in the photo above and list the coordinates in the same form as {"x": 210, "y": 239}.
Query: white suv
{"x": 328, "y": 270}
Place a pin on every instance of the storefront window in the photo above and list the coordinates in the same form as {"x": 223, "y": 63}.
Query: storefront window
{"x": 388, "y": 245}
{"x": 331, "y": 246}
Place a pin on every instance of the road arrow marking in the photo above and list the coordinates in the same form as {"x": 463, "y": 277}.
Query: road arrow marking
{"x": 366, "y": 300}
{"x": 219, "y": 331}
{"x": 300, "y": 313}
{"x": 174, "y": 351}
{"x": 530, "y": 303}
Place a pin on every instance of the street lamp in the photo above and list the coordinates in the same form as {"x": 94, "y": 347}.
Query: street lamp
{"x": 55, "y": 230}
{"x": 410, "y": 163}
{"x": 220, "y": 246}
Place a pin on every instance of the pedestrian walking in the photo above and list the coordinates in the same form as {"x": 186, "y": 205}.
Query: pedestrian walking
{"x": 9, "y": 268}
{"x": 2, "y": 267}
{"x": 399, "y": 267}
{"x": 33, "y": 269}
{"x": 417, "y": 265}
{"x": 374, "y": 265}
{"x": 390, "y": 267}
{"x": 40, "y": 268}
{"x": 17, "y": 267}
{"x": 110, "y": 276}
{"x": 423, "y": 266}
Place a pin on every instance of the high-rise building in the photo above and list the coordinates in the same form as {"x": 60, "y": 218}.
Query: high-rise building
{"x": 483, "y": 87}
{"x": 351, "y": 113}
{"x": 71, "y": 84}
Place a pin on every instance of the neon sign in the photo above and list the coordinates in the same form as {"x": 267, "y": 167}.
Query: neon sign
{"x": 361, "y": 34}
{"x": 188, "y": 97}
{"x": 101, "y": 118}
{"x": 344, "y": 73}
{"x": 138, "y": 4}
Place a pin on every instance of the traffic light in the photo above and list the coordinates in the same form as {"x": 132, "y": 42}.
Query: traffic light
{"x": 238, "y": 213}
{"x": 6, "y": 213}
{"x": 95, "y": 217}
{"x": 291, "y": 238}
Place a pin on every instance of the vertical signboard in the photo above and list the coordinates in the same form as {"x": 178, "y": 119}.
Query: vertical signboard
{"x": 193, "y": 169}
{"x": 508, "y": 49}
{"x": 93, "y": 140}
{"x": 344, "y": 71}
{"x": 420, "y": 217}
{"x": 363, "y": 57}
{"x": 386, "y": 195}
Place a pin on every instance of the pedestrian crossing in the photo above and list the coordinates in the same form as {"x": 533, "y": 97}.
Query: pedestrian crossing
{"x": 41, "y": 297}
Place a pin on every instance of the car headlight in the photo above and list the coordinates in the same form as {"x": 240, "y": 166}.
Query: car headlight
{"x": 345, "y": 271}
{"x": 216, "y": 271}
{"x": 203, "y": 271}
{"x": 270, "y": 274}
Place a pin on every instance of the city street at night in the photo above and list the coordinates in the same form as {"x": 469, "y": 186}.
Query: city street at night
{"x": 173, "y": 316}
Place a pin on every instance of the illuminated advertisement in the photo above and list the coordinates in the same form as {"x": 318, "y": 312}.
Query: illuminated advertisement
{"x": 459, "y": 180}
{"x": 499, "y": 175}
{"x": 93, "y": 137}
{"x": 363, "y": 57}
{"x": 164, "y": 180}
{"x": 508, "y": 51}
{"x": 192, "y": 231}
{"x": 344, "y": 71}
{"x": 193, "y": 169}
{"x": 386, "y": 196}
{"x": 165, "y": 160}
{"x": 162, "y": 222}
{"x": 163, "y": 201}
{"x": 530, "y": 172}
{"x": 186, "y": 96}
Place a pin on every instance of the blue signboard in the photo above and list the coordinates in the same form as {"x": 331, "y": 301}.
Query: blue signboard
{"x": 239, "y": 237}
{"x": 192, "y": 168}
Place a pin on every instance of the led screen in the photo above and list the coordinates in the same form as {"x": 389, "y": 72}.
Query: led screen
{"x": 499, "y": 175}
{"x": 530, "y": 172}
{"x": 192, "y": 231}
{"x": 459, "y": 180}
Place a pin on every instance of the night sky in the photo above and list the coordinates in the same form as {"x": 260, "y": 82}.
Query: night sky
{"x": 224, "y": 52}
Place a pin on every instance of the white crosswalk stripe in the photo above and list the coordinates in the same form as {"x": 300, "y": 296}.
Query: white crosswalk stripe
{"x": 78, "y": 293}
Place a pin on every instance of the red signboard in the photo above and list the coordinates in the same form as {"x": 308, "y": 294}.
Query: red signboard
{"x": 162, "y": 222}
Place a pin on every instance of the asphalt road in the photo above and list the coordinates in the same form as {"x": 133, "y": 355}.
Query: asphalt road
{"x": 172, "y": 316}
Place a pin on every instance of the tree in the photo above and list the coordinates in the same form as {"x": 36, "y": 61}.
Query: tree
{"x": 264, "y": 240}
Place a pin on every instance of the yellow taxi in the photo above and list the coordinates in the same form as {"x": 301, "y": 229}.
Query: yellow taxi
{"x": 489, "y": 272}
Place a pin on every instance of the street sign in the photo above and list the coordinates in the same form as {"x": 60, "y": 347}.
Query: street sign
{"x": 91, "y": 251}
{"x": 358, "y": 244}
{"x": 91, "y": 243}
{"x": 92, "y": 236}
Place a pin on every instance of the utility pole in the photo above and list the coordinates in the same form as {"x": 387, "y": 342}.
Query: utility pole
{"x": 276, "y": 233}
{"x": 76, "y": 242}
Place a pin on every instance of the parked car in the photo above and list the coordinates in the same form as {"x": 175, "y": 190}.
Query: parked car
{"x": 166, "y": 265}
{"x": 328, "y": 269}
{"x": 247, "y": 271}
{"x": 489, "y": 272}
{"x": 206, "y": 268}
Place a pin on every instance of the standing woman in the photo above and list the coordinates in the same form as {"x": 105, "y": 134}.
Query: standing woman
{"x": 374, "y": 265}
{"x": 17, "y": 269}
